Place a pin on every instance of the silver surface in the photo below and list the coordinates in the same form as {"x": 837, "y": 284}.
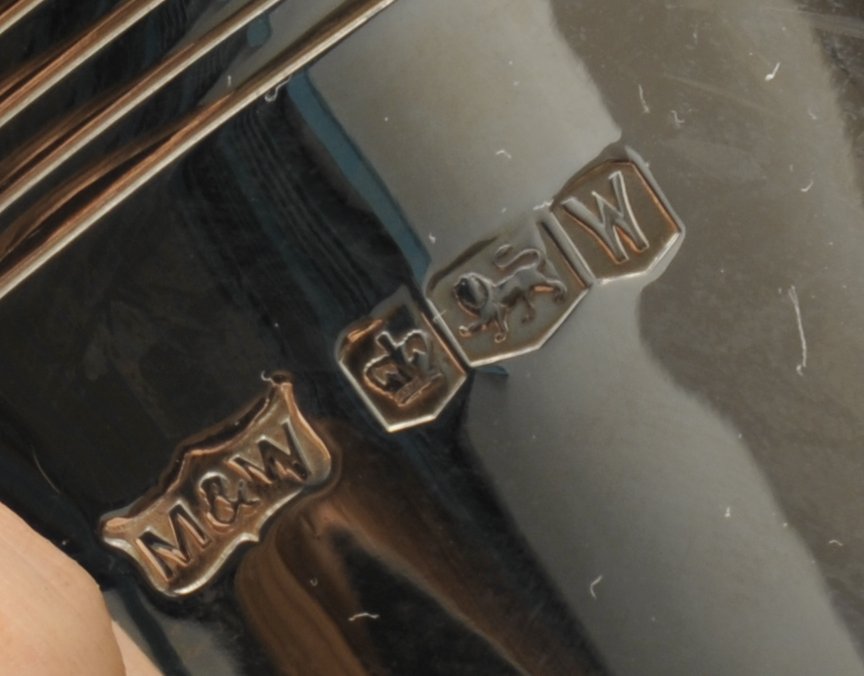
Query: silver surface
{"x": 680, "y": 453}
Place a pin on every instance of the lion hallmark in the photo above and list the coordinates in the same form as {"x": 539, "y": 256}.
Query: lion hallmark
{"x": 505, "y": 296}
{"x": 491, "y": 302}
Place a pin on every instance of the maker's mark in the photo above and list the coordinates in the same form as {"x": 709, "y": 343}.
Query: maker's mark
{"x": 220, "y": 493}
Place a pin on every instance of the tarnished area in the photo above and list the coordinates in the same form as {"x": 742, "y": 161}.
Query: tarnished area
{"x": 220, "y": 493}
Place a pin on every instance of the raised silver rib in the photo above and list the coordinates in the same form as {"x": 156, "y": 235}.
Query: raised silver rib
{"x": 60, "y": 143}
{"x": 10, "y": 16}
{"x": 142, "y": 160}
{"x": 23, "y": 88}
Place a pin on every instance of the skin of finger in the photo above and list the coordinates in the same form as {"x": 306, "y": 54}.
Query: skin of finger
{"x": 135, "y": 661}
{"x": 53, "y": 620}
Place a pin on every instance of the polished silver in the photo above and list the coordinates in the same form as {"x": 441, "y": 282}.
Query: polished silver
{"x": 671, "y": 397}
{"x": 143, "y": 160}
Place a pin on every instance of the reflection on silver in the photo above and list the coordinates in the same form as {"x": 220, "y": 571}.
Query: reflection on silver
{"x": 17, "y": 11}
{"x": 49, "y": 150}
{"x": 148, "y": 159}
{"x": 307, "y": 590}
{"x": 25, "y": 88}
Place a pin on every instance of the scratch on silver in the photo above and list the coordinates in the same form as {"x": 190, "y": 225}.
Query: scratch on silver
{"x": 796, "y": 303}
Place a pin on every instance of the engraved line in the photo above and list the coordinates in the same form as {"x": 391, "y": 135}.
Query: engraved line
{"x": 317, "y": 41}
{"x": 134, "y": 96}
{"x": 34, "y": 85}
{"x": 13, "y": 14}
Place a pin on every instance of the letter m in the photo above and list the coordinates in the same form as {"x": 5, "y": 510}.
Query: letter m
{"x": 610, "y": 223}
{"x": 177, "y": 552}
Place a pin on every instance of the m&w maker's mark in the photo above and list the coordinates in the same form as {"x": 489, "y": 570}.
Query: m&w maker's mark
{"x": 221, "y": 493}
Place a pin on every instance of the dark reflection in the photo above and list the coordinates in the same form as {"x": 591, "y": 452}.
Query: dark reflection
{"x": 376, "y": 577}
{"x": 44, "y": 28}
{"x": 248, "y": 257}
{"x": 242, "y": 260}
{"x": 97, "y": 82}
{"x": 749, "y": 114}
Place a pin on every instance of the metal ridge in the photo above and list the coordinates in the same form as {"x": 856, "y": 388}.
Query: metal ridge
{"x": 133, "y": 96}
{"x": 16, "y": 12}
{"x": 25, "y": 88}
{"x": 158, "y": 155}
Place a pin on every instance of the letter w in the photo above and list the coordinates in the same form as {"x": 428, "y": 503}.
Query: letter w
{"x": 611, "y": 221}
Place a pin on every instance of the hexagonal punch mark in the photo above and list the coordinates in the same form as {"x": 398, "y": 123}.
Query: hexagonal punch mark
{"x": 505, "y": 296}
{"x": 399, "y": 365}
{"x": 616, "y": 220}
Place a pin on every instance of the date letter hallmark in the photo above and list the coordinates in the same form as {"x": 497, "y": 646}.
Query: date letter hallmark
{"x": 399, "y": 365}
{"x": 616, "y": 220}
{"x": 220, "y": 492}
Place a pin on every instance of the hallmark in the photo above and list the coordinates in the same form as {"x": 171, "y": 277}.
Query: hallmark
{"x": 505, "y": 297}
{"x": 615, "y": 220}
{"x": 403, "y": 369}
{"x": 220, "y": 493}
{"x": 491, "y": 302}
{"x": 399, "y": 365}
